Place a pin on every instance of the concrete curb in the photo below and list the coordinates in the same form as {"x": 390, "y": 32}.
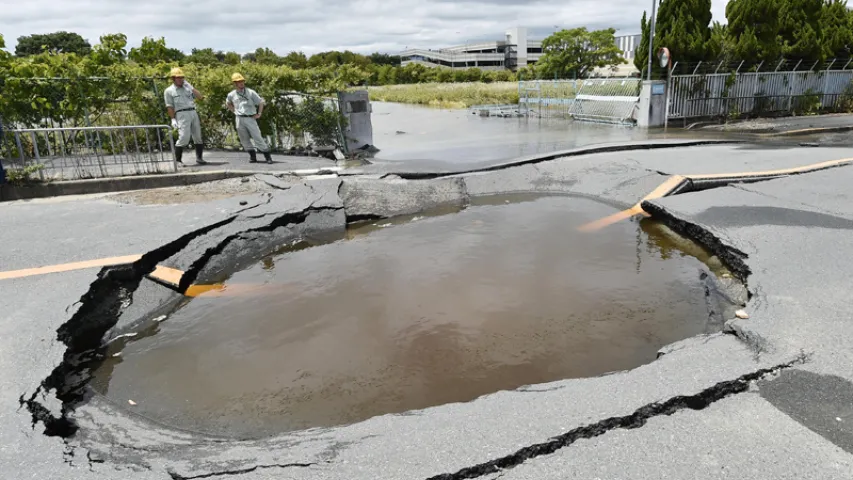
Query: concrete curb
{"x": 771, "y": 132}
{"x": 140, "y": 182}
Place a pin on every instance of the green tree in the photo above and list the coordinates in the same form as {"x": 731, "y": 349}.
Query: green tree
{"x": 800, "y": 30}
{"x": 684, "y": 27}
{"x": 719, "y": 45}
{"x": 203, "y": 56}
{"x": 232, "y": 58}
{"x": 265, "y": 56}
{"x": 384, "y": 59}
{"x": 753, "y": 30}
{"x": 576, "y": 52}
{"x": 333, "y": 58}
{"x": 111, "y": 50}
{"x": 296, "y": 60}
{"x": 60, "y": 42}
{"x": 641, "y": 54}
{"x": 837, "y": 29}
{"x": 153, "y": 51}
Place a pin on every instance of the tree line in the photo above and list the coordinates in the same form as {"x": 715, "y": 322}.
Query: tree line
{"x": 376, "y": 68}
{"x": 757, "y": 31}
{"x": 572, "y": 53}
{"x": 155, "y": 50}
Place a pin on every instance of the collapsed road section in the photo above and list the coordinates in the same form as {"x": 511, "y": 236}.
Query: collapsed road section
{"x": 509, "y": 431}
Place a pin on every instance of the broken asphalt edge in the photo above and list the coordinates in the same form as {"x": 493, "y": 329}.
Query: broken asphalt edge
{"x": 114, "y": 285}
{"x": 138, "y": 182}
{"x": 574, "y": 152}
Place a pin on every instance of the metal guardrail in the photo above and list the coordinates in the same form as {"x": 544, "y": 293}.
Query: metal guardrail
{"x": 74, "y": 153}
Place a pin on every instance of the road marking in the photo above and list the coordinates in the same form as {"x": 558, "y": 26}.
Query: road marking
{"x": 68, "y": 267}
{"x": 671, "y": 183}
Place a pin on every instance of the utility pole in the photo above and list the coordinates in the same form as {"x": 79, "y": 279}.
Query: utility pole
{"x": 652, "y": 38}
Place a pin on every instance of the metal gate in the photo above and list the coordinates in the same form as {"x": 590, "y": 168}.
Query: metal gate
{"x": 607, "y": 100}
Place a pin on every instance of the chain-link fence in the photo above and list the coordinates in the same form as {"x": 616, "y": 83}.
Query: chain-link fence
{"x": 547, "y": 98}
{"x": 292, "y": 121}
{"x": 301, "y": 124}
{"x": 609, "y": 100}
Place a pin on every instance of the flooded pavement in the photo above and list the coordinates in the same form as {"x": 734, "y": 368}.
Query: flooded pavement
{"x": 418, "y": 133}
{"x": 457, "y": 135}
{"x": 434, "y": 310}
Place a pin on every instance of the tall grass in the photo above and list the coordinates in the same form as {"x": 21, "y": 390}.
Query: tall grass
{"x": 448, "y": 95}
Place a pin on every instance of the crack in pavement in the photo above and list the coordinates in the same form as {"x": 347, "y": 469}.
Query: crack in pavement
{"x": 176, "y": 476}
{"x": 196, "y": 267}
{"x": 636, "y": 419}
{"x": 100, "y": 306}
{"x": 563, "y": 154}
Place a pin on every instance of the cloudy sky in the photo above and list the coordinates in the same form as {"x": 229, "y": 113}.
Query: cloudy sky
{"x": 363, "y": 26}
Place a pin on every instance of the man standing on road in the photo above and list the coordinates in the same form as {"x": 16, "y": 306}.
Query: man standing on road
{"x": 248, "y": 106}
{"x": 180, "y": 103}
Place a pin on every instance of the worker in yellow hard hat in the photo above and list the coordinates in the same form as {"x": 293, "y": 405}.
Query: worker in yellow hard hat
{"x": 180, "y": 103}
{"x": 248, "y": 106}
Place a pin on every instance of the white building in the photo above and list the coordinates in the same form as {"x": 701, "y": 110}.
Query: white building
{"x": 514, "y": 52}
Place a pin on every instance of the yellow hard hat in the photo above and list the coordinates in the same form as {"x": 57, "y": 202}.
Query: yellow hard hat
{"x": 237, "y": 78}
{"x": 176, "y": 72}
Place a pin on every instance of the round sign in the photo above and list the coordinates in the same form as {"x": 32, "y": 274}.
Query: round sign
{"x": 663, "y": 54}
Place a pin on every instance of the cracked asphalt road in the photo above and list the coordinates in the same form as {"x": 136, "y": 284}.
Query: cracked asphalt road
{"x": 768, "y": 398}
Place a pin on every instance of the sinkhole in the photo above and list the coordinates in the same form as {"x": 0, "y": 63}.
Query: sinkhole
{"x": 433, "y": 310}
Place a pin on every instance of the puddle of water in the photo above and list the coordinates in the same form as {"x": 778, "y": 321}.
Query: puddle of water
{"x": 434, "y": 310}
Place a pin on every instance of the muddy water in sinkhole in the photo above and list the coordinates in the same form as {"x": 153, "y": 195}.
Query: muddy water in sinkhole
{"x": 434, "y": 310}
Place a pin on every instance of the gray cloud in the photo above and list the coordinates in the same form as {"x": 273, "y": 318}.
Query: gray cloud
{"x": 286, "y": 25}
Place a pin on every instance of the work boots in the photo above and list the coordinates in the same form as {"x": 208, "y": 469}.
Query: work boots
{"x": 179, "y": 154}
{"x": 253, "y": 156}
{"x": 268, "y": 157}
{"x": 198, "y": 154}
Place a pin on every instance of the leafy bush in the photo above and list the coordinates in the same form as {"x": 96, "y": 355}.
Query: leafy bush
{"x": 24, "y": 176}
{"x": 808, "y": 104}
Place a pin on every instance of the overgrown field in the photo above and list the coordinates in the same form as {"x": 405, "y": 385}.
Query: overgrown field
{"x": 448, "y": 95}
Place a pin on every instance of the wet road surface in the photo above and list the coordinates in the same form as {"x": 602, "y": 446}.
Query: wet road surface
{"x": 436, "y": 310}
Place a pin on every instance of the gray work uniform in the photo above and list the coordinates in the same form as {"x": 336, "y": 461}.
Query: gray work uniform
{"x": 189, "y": 125}
{"x": 245, "y": 107}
